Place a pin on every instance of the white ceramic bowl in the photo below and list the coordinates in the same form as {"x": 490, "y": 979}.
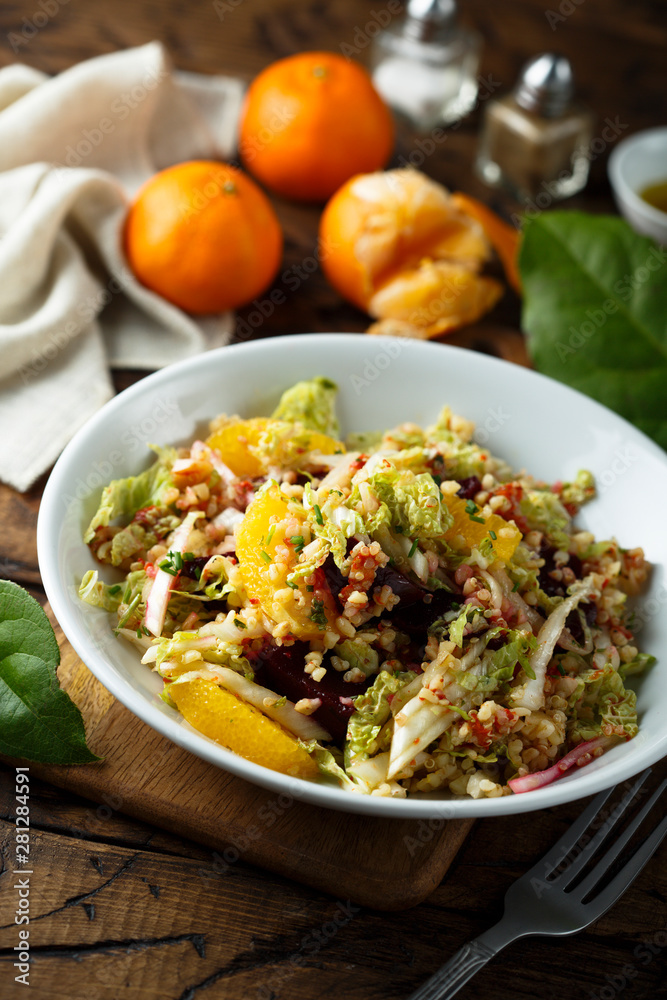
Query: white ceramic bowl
{"x": 532, "y": 421}
{"x": 635, "y": 163}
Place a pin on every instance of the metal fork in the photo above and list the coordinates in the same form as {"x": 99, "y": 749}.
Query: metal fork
{"x": 540, "y": 903}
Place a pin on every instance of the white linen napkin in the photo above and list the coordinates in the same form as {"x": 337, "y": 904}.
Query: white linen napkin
{"x": 73, "y": 150}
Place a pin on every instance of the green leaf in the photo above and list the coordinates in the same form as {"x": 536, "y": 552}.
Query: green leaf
{"x": 127, "y": 496}
{"x": 311, "y": 403}
{"x": 595, "y": 312}
{"x": 38, "y": 721}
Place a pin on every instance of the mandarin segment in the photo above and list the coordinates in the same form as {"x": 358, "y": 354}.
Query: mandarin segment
{"x": 473, "y": 533}
{"x": 239, "y": 443}
{"x": 234, "y": 440}
{"x": 240, "y": 727}
{"x": 435, "y": 297}
{"x": 260, "y": 540}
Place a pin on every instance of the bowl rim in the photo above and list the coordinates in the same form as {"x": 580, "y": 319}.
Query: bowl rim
{"x": 617, "y": 176}
{"x": 179, "y": 732}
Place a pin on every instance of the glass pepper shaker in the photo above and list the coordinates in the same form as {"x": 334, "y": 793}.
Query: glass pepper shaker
{"x": 535, "y": 141}
{"x": 425, "y": 65}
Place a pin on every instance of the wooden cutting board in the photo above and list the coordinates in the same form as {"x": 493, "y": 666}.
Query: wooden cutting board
{"x": 387, "y": 864}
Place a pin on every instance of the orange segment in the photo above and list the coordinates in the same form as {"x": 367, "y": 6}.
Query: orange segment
{"x": 507, "y": 535}
{"x": 240, "y": 727}
{"x": 239, "y": 445}
{"x": 435, "y": 297}
{"x": 260, "y": 534}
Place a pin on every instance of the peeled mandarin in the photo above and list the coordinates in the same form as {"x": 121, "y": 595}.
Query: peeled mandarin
{"x": 378, "y": 225}
{"x": 507, "y": 534}
{"x": 241, "y": 727}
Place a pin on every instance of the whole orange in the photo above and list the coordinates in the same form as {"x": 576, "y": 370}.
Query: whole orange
{"x": 312, "y": 121}
{"x": 204, "y": 236}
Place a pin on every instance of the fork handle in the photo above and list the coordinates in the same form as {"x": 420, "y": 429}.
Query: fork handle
{"x": 462, "y": 966}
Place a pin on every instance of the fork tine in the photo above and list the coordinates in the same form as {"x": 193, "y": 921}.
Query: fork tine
{"x": 589, "y": 848}
{"x": 615, "y": 849}
{"x": 545, "y": 866}
{"x": 627, "y": 875}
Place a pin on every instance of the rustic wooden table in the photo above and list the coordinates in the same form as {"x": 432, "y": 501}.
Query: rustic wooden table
{"x": 128, "y": 914}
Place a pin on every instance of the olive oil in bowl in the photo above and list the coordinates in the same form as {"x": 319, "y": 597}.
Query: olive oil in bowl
{"x": 656, "y": 195}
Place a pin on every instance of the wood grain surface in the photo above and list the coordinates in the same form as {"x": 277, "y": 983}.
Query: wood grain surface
{"x": 121, "y": 908}
{"x": 147, "y": 776}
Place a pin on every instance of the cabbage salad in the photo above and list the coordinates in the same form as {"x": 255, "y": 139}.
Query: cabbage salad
{"x": 398, "y": 613}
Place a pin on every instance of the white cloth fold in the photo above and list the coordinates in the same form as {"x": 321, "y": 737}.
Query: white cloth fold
{"x": 73, "y": 150}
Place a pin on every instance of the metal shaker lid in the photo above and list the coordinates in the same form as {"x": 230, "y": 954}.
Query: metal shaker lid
{"x": 546, "y": 85}
{"x": 428, "y": 18}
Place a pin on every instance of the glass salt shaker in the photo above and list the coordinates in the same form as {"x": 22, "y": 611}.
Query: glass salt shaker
{"x": 425, "y": 65}
{"x": 535, "y": 141}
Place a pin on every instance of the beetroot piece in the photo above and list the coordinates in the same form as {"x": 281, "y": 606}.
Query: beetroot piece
{"x": 469, "y": 487}
{"x": 280, "y": 668}
{"x": 418, "y": 616}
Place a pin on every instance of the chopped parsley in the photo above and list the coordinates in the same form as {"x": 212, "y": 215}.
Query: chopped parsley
{"x": 173, "y": 562}
{"x": 318, "y": 614}
{"x": 471, "y": 511}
